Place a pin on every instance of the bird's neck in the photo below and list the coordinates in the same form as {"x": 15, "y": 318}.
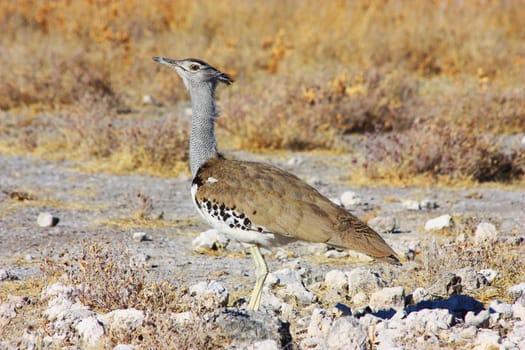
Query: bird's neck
{"x": 203, "y": 144}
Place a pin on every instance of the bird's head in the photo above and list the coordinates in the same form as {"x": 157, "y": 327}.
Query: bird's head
{"x": 195, "y": 72}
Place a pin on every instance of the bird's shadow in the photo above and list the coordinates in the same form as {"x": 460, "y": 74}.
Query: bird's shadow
{"x": 457, "y": 305}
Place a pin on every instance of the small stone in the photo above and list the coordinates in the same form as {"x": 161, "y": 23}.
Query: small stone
{"x": 480, "y": 320}
{"x": 184, "y": 318}
{"x": 28, "y": 258}
{"x": 470, "y": 279}
{"x": 293, "y": 286}
{"x": 420, "y": 294}
{"x": 361, "y": 279}
{"x": 209, "y": 240}
{"x": 438, "y": 223}
{"x": 148, "y": 100}
{"x": 485, "y": 233}
{"x": 295, "y": 161}
{"x": 447, "y": 284}
{"x": 211, "y": 294}
{"x": 411, "y": 205}
{"x": 123, "y": 319}
{"x": 336, "y": 279}
{"x": 6, "y": 275}
{"x": 518, "y": 310}
{"x": 428, "y": 204}
{"x": 490, "y": 275}
{"x": 350, "y": 199}
{"x": 246, "y": 329}
{"x": 388, "y": 298}
{"x": 360, "y": 299}
{"x": 487, "y": 339}
{"x": 462, "y": 238}
{"x": 268, "y": 344}
{"x": 429, "y": 320}
{"x": 348, "y": 328}
{"x": 140, "y": 237}
{"x": 90, "y": 330}
{"x": 517, "y": 290}
{"x": 500, "y": 310}
{"x": 46, "y": 220}
{"x": 124, "y": 347}
{"x": 384, "y": 224}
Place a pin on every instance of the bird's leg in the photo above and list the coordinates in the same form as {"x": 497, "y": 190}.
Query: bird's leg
{"x": 261, "y": 271}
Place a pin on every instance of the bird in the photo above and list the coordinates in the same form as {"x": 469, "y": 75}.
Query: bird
{"x": 259, "y": 204}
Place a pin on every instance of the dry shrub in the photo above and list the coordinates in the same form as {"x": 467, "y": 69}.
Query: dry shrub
{"x": 441, "y": 150}
{"x": 506, "y": 258}
{"x": 93, "y": 131}
{"x": 315, "y": 112}
{"x": 106, "y": 279}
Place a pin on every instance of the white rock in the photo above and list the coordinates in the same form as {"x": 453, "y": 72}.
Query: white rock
{"x": 429, "y": 320}
{"x": 320, "y": 323}
{"x": 481, "y": 320}
{"x": 123, "y": 319}
{"x": 210, "y": 239}
{"x": 58, "y": 289}
{"x": 517, "y": 290}
{"x": 295, "y": 161}
{"x": 293, "y": 285}
{"x": 336, "y": 279}
{"x": 211, "y": 294}
{"x": 517, "y": 335}
{"x": 485, "y": 233}
{"x": 360, "y": 299}
{"x": 490, "y": 275}
{"x": 411, "y": 205}
{"x": 471, "y": 279}
{"x": 46, "y": 220}
{"x": 350, "y": 199}
{"x": 387, "y": 298}
{"x": 500, "y": 310}
{"x": 428, "y": 204}
{"x": 148, "y": 100}
{"x": 140, "y": 237}
{"x": 7, "y": 312}
{"x": 5, "y": 275}
{"x": 268, "y": 344}
{"x": 184, "y": 318}
{"x": 518, "y": 310}
{"x": 420, "y": 294}
{"x": 361, "y": 279}
{"x": 347, "y": 333}
{"x": 90, "y": 330}
{"x": 462, "y": 238}
{"x": 487, "y": 339}
{"x": 384, "y": 224}
{"x": 124, "y": 347}
{"x": 438, "y": 223}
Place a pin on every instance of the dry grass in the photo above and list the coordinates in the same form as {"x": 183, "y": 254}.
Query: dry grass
{"x": 308, "y": 75}
{"x": 107, "y": 280}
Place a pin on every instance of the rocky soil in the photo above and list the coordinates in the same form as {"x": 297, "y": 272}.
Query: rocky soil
{"x": 460, "y": 285}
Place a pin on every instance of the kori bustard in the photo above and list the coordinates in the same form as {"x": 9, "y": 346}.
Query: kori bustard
{"x": 255, "y": 203}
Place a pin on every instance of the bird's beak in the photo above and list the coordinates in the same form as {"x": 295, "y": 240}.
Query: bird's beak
{"x": 166, "y": 61}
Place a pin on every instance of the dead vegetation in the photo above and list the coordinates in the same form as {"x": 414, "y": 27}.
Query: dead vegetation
{"x": 417, "y": 74}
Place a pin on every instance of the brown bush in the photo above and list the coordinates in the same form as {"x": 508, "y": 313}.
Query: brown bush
{"x": 442, "y": 150}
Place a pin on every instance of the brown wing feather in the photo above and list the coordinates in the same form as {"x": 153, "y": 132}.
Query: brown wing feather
{"x": 286, "y": 205}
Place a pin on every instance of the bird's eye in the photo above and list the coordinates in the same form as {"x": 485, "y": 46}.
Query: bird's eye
{"x": 194, "y": 67}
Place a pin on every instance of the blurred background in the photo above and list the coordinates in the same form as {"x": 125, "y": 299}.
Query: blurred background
{"x": 429, "y": 90}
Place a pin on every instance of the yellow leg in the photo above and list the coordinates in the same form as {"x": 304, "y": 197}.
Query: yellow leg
{"x": 261, "y": 271}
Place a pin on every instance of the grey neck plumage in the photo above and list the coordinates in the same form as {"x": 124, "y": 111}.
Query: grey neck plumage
{"x": 203, "y": 144}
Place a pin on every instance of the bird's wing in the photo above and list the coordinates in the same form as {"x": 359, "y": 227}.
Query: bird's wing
{"x": 284, "y": 204}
